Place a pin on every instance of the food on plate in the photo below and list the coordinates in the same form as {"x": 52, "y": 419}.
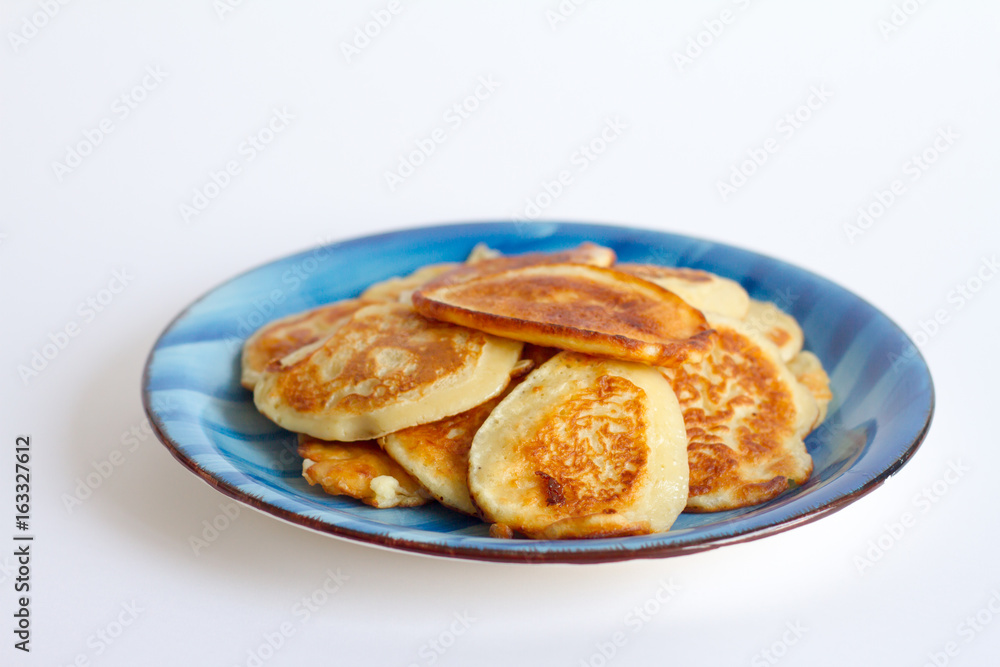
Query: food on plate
{"x": 746, "y": 416}
{"x": 481, "y": 251}
{"x": 705, "y": 291}
{"x": 282, "y": 337}
{"x": 584, "y": 447}
{"x": 780, "y": 328}
{"x": 573, "y": 307}
{"x": 483, "y": 262}
{"x": 437, "y": 454}
{"x": 554, "y": 395}
{"x": 360, "y": 470}
{"x": 400, "y": 289}
{"x": 809, "y": 372}
{"x": 385, "y": 369}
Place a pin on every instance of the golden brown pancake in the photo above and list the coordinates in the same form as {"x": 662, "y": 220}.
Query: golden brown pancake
{"x": 780, "y": 328}
{"x": 386, "y": 369}
{"x": 808, "y": 370}
{"x": 280, "y": 338}
{"x": 400, "y": 289}
{"x": 745, "y": 415}
{"x": 437, "y": 454}
{"x": 482, "y": 264}
{"x": 705, "y": 291}
{"x": 584, "y": 447}
{"x": 360, "y": 470}
{"x": 574, "y": 307}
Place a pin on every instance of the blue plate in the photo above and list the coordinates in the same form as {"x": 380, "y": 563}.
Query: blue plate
{"x": 881, "y": 410}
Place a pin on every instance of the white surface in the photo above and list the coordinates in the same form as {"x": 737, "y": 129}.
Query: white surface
{"x": 322, "y": 178}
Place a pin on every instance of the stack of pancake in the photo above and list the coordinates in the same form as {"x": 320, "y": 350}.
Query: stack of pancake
{"x": 554, "y": 395}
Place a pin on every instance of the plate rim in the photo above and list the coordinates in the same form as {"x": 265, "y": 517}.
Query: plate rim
{"x": 500, "y": 554}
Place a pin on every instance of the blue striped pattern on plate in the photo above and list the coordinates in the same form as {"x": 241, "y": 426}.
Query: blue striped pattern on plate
{"x": 882, "y": 406}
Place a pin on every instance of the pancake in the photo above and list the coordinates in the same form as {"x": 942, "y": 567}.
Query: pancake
{"x": 481, "y": 263}
{"x": 481, "y": 251}
{"x": 437, "y": 454}
{"x": 745, "y": 415}
{"x": 705, "y": 291}
{"x": 780, "y": 328}
{"x": 400, "y": 289}
{"x": 360, "y": 470}
{"x": 584, "y": 447}
{"x": 280, "y": 338}
{"x": 808, "y": 370}
{"x": 385, "y": 369}
{"x": 574, "y": 307}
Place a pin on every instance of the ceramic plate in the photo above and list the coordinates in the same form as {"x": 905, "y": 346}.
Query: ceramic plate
{"x": 881, "y": 410}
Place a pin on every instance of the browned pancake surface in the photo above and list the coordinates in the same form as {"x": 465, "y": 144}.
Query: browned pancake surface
{"x": 403, "y": 353}
{"x": 585, "y": 253}
{"x": 360, "y": 470}
{"x": 583, "y": 447}
{"x": 438, "y": 453}
{"x": 385, "y": 369}
{"x": 705, "y": 291}
{"x": 561, "y": 450}
{"x": 282, "y": 337}
{"x": 745, "y": 416}
{"x": 574, "y": 307}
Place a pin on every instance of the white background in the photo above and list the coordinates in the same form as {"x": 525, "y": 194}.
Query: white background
{"x": 221, "y": 76}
